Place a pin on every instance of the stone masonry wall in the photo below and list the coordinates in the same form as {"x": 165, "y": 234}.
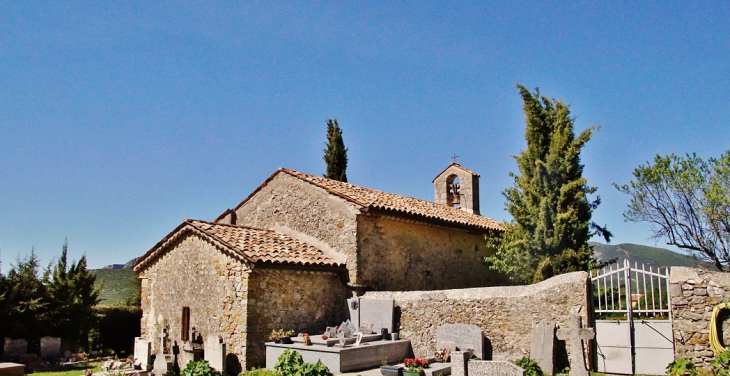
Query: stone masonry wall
{"x": 694, "y": 294}
{"x": 505, "y": 314}
{"x": 396, "y": 254}
{"x": 307, "y": 213}
{"x": 306, "y": 301}
{"x": 197, "y": 275}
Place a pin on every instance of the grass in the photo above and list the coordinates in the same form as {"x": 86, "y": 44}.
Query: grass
{"x": 73, "y": 370}
{"x": 118, "y": 285}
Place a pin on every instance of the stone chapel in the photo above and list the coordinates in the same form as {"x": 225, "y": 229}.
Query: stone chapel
{"x": 291, "y": 253}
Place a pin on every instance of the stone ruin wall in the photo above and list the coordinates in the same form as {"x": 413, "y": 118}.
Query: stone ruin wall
{"x": 307, "y": 213}
{"x": 306, "y": 301}
{"x": 406, "y": 255}
{"x": 694, "y": 294}
{"x": 505, "y": 314}
{"x": 195, "y": 274}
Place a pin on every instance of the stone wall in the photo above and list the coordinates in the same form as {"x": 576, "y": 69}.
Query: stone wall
{"x": 306, "y": 301}
{"x": 405, "y": 255}
{"x": 195, "y": 274}
{"x": 505, "y": 314}
{"x": 694, "y": 294}
{"x": 307, "y": 213}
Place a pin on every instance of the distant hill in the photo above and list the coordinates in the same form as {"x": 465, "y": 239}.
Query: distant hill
{"x": 119, "y": 285}
{"x": 650, "y": 256}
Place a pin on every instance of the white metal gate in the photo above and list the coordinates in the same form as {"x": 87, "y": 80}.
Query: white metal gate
{"x": 633, "y": 320}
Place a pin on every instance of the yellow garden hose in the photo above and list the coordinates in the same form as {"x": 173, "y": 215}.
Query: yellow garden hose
{"x": 715, "y": 344}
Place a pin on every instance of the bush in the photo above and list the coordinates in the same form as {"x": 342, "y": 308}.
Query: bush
{"x": 199, "y": 368}
{"x": 290, "y": 363}
{"x": 681, "y": 367}
{"x": 530, "y": 366}
{"x": 260, "y": 372}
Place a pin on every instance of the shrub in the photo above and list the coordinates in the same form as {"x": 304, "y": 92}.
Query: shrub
{"x": 290, "y": 363}
{"x": 199, "y": 368}
{"x": 530, "y": 366}
{"x": 681, "y": 367}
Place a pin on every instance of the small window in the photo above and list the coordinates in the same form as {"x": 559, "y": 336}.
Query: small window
{"x": 185, "y": 335}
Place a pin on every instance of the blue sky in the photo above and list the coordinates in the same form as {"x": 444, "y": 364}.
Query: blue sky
{"x": 119, "y": 120}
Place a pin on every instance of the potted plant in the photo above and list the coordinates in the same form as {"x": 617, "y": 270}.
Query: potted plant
{"x": 307, "y": 340}
{"x": 414, "y": 366}
{"x": 387, "y": 370}
{"x": 285, "y": 336}
{"x": 275, "y": 335}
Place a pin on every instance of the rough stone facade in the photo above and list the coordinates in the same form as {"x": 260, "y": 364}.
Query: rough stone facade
{"x": 694, "y": 294}
{"x": 195, "y": 274}
{"x": 234, "y": 300}
{"x": 505, "y": 314}
{"x": 306, "y": 301}
{"x": 307, "y": 213}
{"x": 380, "y": 251}
{"x": 398, "y": 254}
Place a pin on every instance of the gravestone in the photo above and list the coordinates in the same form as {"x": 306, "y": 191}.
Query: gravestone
{"x": 353, "y": 306}
{"x": 50, "y": 348}
{"x": 543, "y": 346}
{"x": 378, "y": 312}
{"x": 215, "y": 353}
{"x": 463, "y": 336}
{"x": 459, "y": 362}
{"x": 494, "y": 368}
{"x": 575, "y": 334}
{"x": 14, "y": 348}
{"x": 142, "y": 354}
{"x": 163, "y": 362}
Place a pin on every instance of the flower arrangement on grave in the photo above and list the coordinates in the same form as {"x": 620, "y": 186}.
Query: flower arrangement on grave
{"x": 443, "y": 355}
{"x": 307, "y": 340}
{"x": 324, "y": 336}
{"x": 277, "y": 334}
{"x": 415, "y": 364}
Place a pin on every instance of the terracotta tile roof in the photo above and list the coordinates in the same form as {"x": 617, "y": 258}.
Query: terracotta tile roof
{"x": 370, "y": 198}
{"x": 247, "y": 243}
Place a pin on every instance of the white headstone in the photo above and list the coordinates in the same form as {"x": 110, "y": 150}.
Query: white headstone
{"x": 378, "y": 312}
{"x": 142, "y": 353}
{"x": 215, "y": 353}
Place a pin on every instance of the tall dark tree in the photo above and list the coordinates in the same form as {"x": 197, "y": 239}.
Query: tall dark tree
{"x": 72, "y": 295}
{"x": 335, "y": 154}
{"x": 26, "y": 299}
{"x": 549, "y": 202}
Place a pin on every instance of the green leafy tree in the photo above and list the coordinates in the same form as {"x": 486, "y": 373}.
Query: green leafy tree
{"x": 72, "y": 297}
{"x": 549, "y": 201}
{"x": 335, "y": 154}
{"x": 686, "y": 200}
{"x": 26, "y": 299}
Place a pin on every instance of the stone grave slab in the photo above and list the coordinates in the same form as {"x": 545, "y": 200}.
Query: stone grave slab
{"x": 215, "y": 353}
{"x": 142, "y": 353}
{"x": 459, "y": 361}
{"x": 378, "y": 312}
{"x": 574, "y": 334}
{"x": 543, "y": 346}
{"x": 12, "y": 369}
{"x": 50, "y": 348}
{"x": 14, "y": 348}
{"x": 463, "y": 336}
{"x": 494, "y": 368}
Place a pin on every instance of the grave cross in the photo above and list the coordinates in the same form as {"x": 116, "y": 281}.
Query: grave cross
{"x": 575, "y": 335}
{"x": 162, "y": 336}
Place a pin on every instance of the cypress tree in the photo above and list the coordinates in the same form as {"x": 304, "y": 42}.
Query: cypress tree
{"x": 549, "y": 200}
{"x": 335, "y": 154}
